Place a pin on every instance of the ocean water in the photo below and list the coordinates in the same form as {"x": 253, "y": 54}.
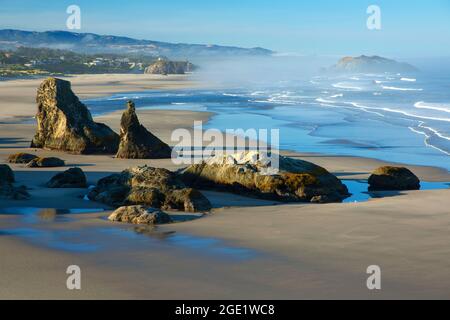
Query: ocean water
{"x": 393, "y": 117}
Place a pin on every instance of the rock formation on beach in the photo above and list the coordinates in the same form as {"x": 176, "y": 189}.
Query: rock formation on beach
{"x": 153, "y": 187}
{"x": 371, "y": 64}
{"x": 46, "y": 162}
{"x": 7, "y": 189}
{"x": 243, "y": 173}
{"x": 165, "y": 67}
{"x": 21, "y": 158}
{"x": 136, "y": 142}
{"x": 64, "y": 123}
{"x": 140, "y": 215}
{"x": 393, "y": 178}
{"x": 72, "y": 178}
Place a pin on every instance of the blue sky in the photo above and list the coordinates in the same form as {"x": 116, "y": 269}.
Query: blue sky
{"x": 324, "y": 27}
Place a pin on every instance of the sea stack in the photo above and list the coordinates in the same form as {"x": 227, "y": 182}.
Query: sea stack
{"x": 64, "y": 123}
{"x": 165, "y": 67}
{"x": 136, "y": 142}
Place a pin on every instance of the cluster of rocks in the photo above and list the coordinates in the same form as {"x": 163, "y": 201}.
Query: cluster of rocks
{"x": 7, "y": 188}
{"x": 152, "y": 187}
{"x": 165, "y": 67}
{"x": 33, "y": 161}
{"x": 64, "y": 123}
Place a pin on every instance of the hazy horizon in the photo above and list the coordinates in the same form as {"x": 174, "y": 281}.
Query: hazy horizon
{"x": 324, "y": 28}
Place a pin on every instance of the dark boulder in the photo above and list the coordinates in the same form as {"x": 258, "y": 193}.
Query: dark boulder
{"x": 72, "y": 178}
{"x": 393, "y": 178}
{"x": 136, "y": 142}
{"x": 64, "y": 123}
{"x": 6, "y": 174}
{"x": 7, "y": 189}
{"x": 46, "y": 162}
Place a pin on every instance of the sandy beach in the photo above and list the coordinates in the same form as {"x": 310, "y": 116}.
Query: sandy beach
{"x": 244, "y": 249}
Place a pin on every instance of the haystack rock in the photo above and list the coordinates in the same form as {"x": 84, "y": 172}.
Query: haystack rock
{"x": 64, "y": 123}
{"x": 136, "y": 142}
{"x": 148, "y": 186}
{"x": 249, "y": 173}
{"x": 166, "y": 67}
{"x": 393, "y": 178}
{"x": 376, "y": 64}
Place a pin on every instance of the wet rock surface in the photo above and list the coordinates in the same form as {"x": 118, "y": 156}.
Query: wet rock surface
{"x": 136, "y": 142}
{"x": 64, "y": 123}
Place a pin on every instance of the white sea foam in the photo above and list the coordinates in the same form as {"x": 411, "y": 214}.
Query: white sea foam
{"x": 432, "y": 106}
{"x": 339, "y": 95}
{"x": 230, "y": 94}
{"x": 321, "y": 100}
{"x": 440, "y": 135}
{"x": 408, "y": 79}
{"x": 426, "y": 141}
{"x": 257, "y": 93}
{"x": 119, "y": 98}
{"x": 341, "y": 85}
{"x": 415, "y": 115}
{"x": 400, "y": 89}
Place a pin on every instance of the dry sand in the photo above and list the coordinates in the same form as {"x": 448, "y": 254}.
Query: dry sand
{"x": 245, "y": 248}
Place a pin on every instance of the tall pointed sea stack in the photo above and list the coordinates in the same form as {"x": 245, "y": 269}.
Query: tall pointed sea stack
{"x": 64, "y": 123}
{"x": 136, "y": 142}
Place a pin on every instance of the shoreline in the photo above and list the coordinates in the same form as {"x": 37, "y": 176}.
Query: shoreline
{"x": 87, "y": 87}
{"x": 244, "y": 248}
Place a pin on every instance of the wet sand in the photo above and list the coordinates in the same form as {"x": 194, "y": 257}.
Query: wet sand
{"x": 245, "y": 248}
